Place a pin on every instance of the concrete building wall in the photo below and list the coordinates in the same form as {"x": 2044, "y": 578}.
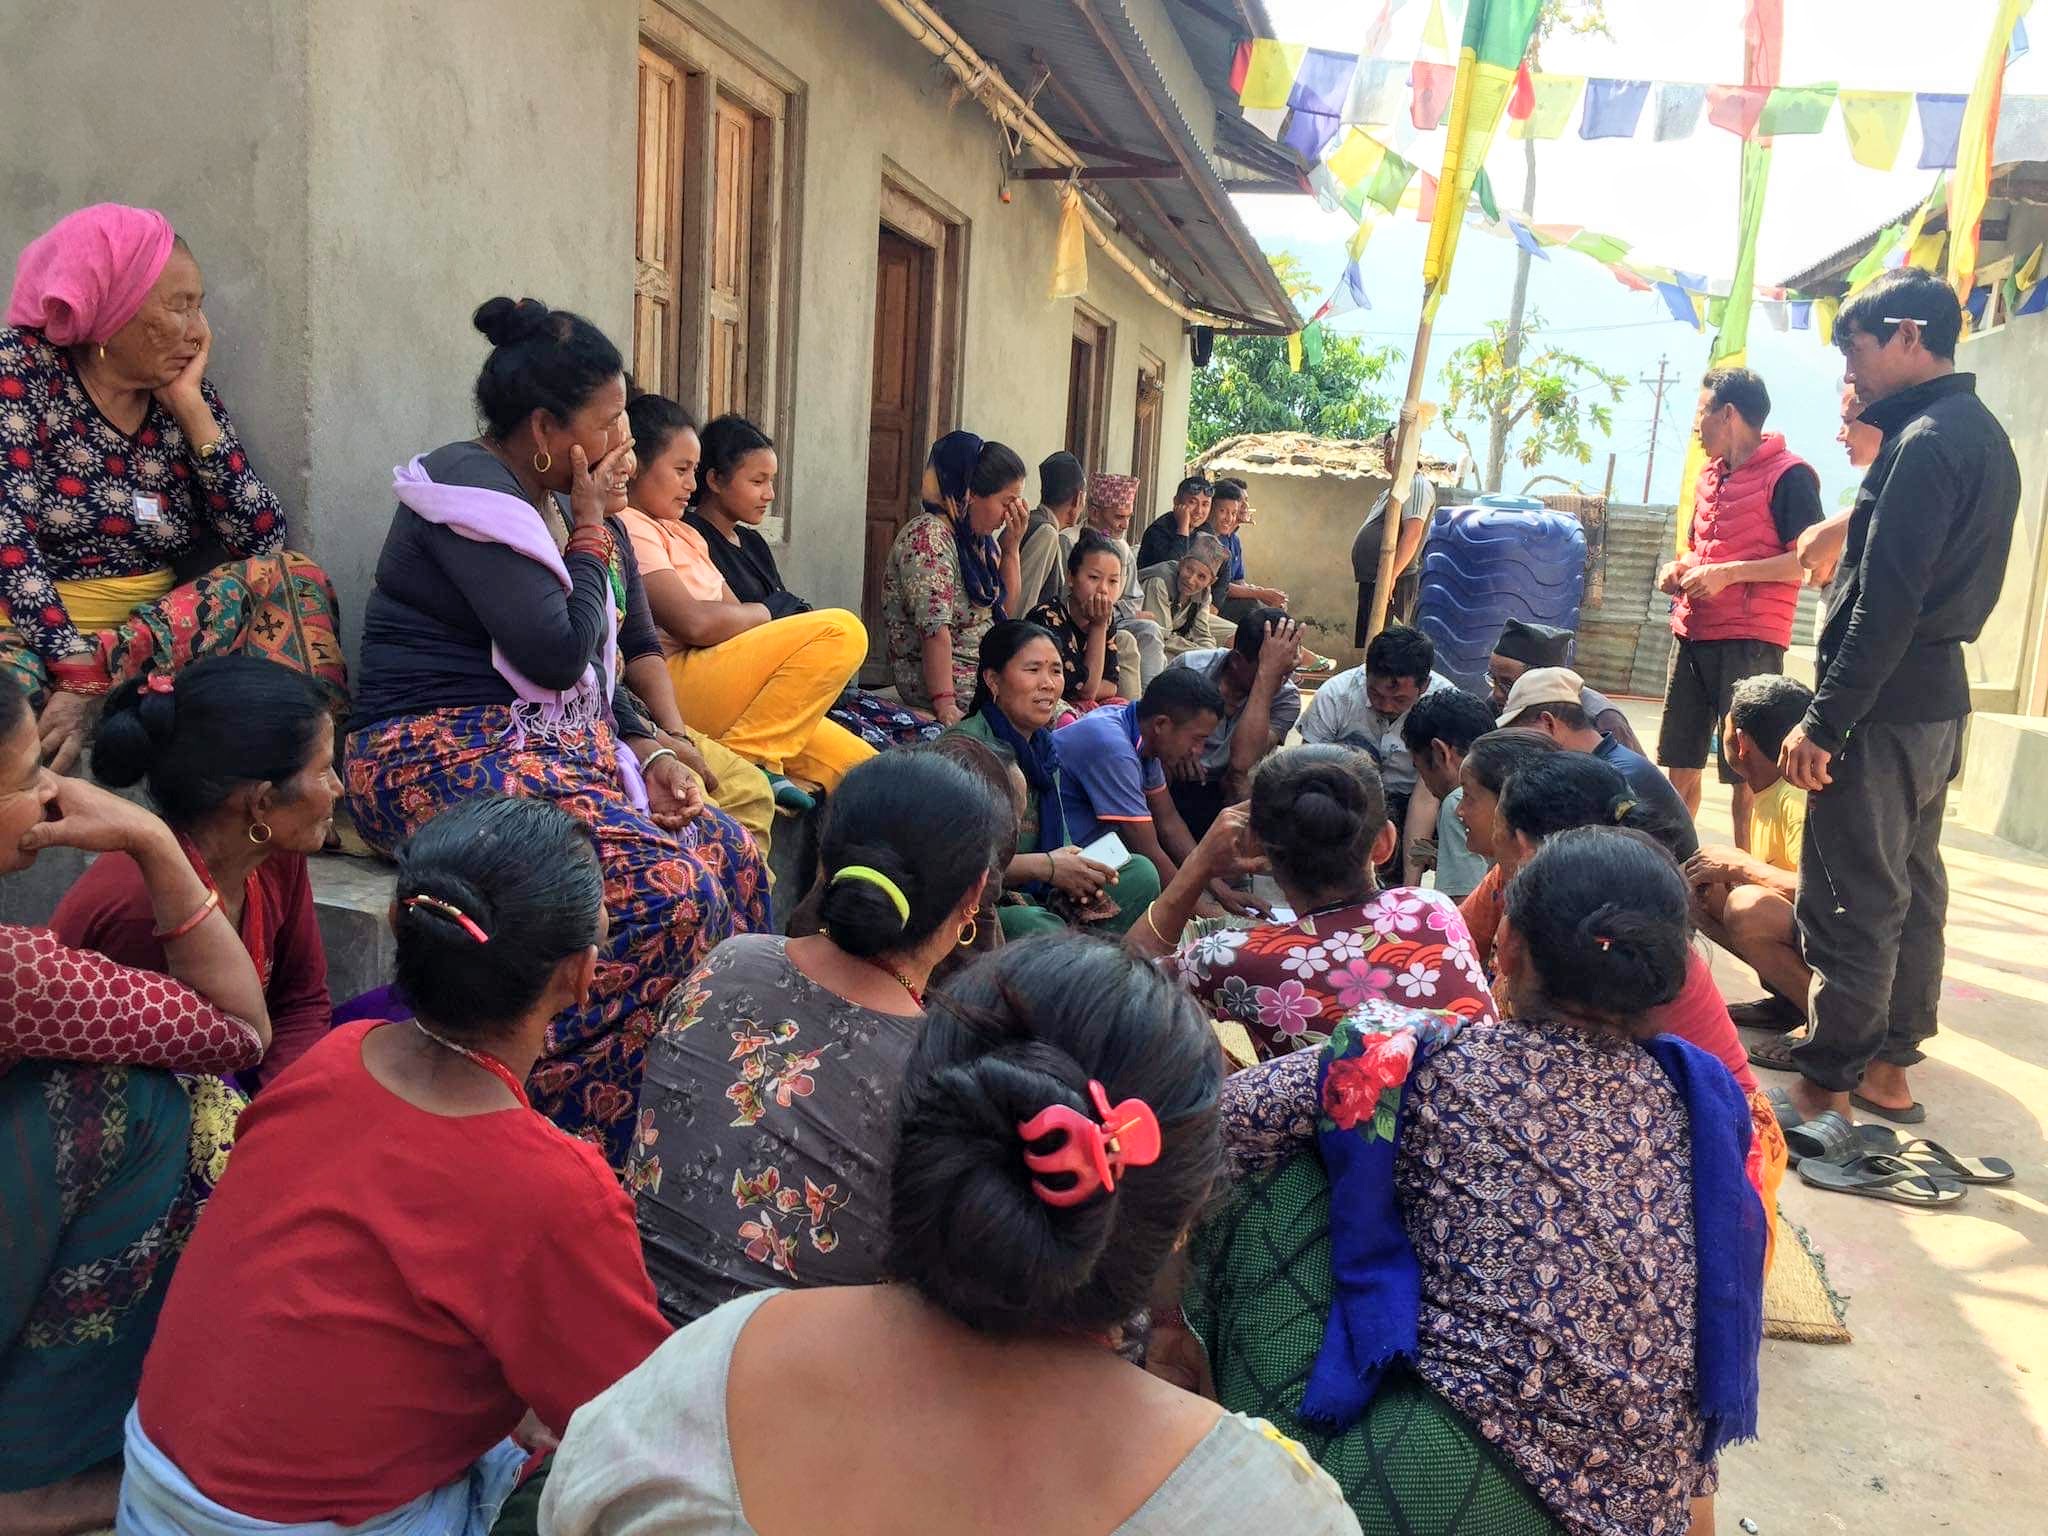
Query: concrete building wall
{"x": 2009, "y": 663}
{"x": 876, "y": 102}
{"x": 197, "y": 109}
{"x": 1303, "y": 522}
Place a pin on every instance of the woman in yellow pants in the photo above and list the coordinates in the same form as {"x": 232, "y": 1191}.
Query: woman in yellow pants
{"x": 756, "y": 683}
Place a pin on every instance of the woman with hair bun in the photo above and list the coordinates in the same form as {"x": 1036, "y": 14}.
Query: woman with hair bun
{"x": 759, "y": 1159}
{"x": 1318, "y": 817}
{"x": 1495, "y": 1226}
{"x": 502, "y": 645}
{"x": 397, "y": 1327}
{"x": 238, "y": 754}
{"x": 1055, "y": 1135}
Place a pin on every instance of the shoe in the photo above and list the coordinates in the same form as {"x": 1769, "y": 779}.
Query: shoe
{"x": 791, "y": 796}
{"x": 1771, "y": 1013}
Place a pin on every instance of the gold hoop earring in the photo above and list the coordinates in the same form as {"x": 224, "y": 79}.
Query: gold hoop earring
{"x": 543, "y": 461}
{"x": 259, "y": 832}
{"x": 103, "y": 351}
{"x": 969, "y": 932}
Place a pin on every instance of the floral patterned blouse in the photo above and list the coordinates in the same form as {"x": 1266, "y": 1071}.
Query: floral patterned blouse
{"x": 767, "y": 1121}
{"x": 80, "y": 499}
{"x": 922, "y": 593}
{"x": 1545, "y": 1178}
{"x": 1289, "y": 984}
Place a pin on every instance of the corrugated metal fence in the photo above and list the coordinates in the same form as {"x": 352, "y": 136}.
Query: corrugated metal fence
{"x": 1624, "y": 643}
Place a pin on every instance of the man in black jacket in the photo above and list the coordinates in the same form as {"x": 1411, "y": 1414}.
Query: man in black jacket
{"x": 1920, "y": 573}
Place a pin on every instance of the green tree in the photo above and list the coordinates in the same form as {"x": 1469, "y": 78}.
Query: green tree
{"x": 1552, "y": 397}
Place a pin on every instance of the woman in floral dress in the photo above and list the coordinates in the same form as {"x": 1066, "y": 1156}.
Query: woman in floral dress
{"x": 953, "y": 572}
{"x": 1318, "y": 814}
{"x": 117, "y": 460}
{"x": 770, "y": 1097}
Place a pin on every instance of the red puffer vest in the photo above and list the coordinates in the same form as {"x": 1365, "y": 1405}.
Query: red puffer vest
{"x": 1731, "y": 520}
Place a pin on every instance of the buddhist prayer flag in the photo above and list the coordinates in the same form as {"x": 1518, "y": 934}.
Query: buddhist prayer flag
{"x": 1523, "y": 101}
{"x": 2022, "y": 129}
{"x": 1269, "y": 76}
{"x": 1678, "y": 111}
{"x": 1941, "y": 128}
{"x": 1378, "y": 95}
{"x": 1356, "y": 158}
{"x": 1738, "y": 108}
{"x": 1322, "y": 82}
{"x": 1349, "y": 294}
{"x": 1390, "y": 181}
{"x": 1294, "y": 351}
{"x": 1496, "y": 37}
{"x": 1432, "y": 85}
{"x": 1482, "y": 188}
{"x": 1971, "y": 184}
{"x": 1602, "y": 248}
{"x": 1240, "y": 67}
{"x": 1425, "y": 203}
{"x": 1791, "y": 109}
{"x": 1309, "y": 133}
{"x": 1312, "y": 345}
{"x": 2029, "y": 272}
{"x": 1875, "y": 122}
{"x": 1556, "y": 95}
{"x": 1613, "y": 108}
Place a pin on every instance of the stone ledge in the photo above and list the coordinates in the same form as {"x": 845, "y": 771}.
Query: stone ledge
{"x": 2006, "y": 763}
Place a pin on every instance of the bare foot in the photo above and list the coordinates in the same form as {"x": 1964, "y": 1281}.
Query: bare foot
{"x": 1886, "y": 1084}
{"x": 1810, "y": 1099}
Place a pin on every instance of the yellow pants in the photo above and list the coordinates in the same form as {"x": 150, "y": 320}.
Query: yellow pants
{"x": 743, "y": 792}
{"x": 764, "y": 694}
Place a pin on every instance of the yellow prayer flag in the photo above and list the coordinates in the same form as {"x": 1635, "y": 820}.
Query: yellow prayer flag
{"x": 1294, "y": 351}
{"x": 1556, "y": 95}
{"x": 1824, "y": 312}
{"x": 2030, "y": 269}
{"x": 1436, "y": 43}
{"x": 1356, "y": 158}
{"x": 1355, "y": 246}
{"x": 1070, "y": 257}
{"x": 1925, "y": 252}
{"x": 1270, "y": 79}
{"x": 1971, "y": 185}
{"x": 1875, "y": 122}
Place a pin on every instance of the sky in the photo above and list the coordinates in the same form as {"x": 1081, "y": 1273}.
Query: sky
{"x": 1674, "y": 202}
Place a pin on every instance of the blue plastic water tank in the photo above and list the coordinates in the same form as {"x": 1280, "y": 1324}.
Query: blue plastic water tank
{"x": 1501, "y": 558}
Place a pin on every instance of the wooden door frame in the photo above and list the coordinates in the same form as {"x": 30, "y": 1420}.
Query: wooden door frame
{"x": 1151, "y": 367}
{"x": 1099, "y": 331}
{"x": 919, "y": 215}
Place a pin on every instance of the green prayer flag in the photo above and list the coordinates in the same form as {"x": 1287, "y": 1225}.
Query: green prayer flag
{"x": 1482, "y": 188}
{"x": 1756, "y": 176}
{"x": 1312, "y": 344}
{"x": 1353, "y": 200}
{"x": 1873, "y": 259}
{"x": 1605, "y": 249}
{"x": 1390, "y": 181}
{"x": 1797, "y": 109}
{"x": 1497, "y": 31}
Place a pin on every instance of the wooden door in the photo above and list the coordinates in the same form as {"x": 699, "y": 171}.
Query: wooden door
{"x": 728, "y": 286}
{"x": 657, "y": 225}
{"x": 897, "y": 410}
{"x": 1087, "y": 378}
{"x": 1145, "y": 442}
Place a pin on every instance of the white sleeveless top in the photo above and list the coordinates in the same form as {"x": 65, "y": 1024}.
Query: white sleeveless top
{"x": 652, "y": 1457}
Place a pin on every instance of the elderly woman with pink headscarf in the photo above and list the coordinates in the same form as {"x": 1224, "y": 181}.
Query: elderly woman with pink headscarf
{"x": 117, "y": 459}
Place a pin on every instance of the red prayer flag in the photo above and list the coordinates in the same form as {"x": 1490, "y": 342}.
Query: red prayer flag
{"x": 1240, "y": 67}
{"x": 1738, "y": 108}
{"x": 1523, "y": 101}
{"x": 1431, "y": 85}
{"x": 1425, "y": 208}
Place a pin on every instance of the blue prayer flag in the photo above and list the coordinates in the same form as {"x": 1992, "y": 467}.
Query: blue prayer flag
{"x": 1613, "y": 108}
{"x": 1941, "y": 128}
{"x": 1322, "y": 82}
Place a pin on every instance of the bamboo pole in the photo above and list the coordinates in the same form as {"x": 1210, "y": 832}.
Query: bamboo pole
{"x": 1407, "y": 449}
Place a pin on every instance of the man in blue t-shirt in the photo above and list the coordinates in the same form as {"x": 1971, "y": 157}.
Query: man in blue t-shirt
{"x": 1548, "y": 699}
{"x": 1114, "y": 761}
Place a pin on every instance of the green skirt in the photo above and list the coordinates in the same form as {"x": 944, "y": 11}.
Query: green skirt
{"x": 1259, "y": 1288}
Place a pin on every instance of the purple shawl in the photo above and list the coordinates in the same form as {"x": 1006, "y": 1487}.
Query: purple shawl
{"x": 540, "y": 714}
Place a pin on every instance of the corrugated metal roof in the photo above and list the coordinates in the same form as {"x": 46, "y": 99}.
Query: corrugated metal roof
{"x": 1185, "y": 223}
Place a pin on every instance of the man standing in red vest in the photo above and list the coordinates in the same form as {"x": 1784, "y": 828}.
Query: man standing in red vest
{"x": 1737, "y": 584}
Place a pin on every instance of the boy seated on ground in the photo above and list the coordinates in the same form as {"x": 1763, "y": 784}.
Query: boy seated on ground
{"x": 1439, "y": 730}
{"x": 1260, "y": 705}
{"x": 1365, "y": 708}
{"x": 1744, "y": 900}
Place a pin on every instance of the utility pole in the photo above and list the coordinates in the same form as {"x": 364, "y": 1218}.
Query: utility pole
{"x": 1662, "y": 382}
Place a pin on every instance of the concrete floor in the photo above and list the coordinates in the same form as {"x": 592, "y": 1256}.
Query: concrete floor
{"x": 1936, "y": 1417}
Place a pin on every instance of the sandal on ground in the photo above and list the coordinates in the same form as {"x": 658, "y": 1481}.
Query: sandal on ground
{"x": 1772, "y": 1014}
{"x": 1935, "y": 1159}
{"x": 1774, "y": 1055}
{"x": 1880, "y": 1176}
{"x": 1912, "y": 1114}
{"x": 1827, "y": 1137}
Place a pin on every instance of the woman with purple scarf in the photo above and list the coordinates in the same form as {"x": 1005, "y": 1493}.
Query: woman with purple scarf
{"x": 953, "y": 571}
{"x": 496, "y": 636}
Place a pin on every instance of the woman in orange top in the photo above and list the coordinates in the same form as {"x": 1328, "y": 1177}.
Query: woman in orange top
{"x": 758, "y": 684}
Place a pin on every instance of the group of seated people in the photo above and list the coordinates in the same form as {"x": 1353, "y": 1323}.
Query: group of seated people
{"x": 481, "y": 1252}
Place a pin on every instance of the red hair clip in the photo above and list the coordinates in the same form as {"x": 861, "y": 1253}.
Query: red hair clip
{"x": 453, "y": 913}
{"x": 158, "y": 682}
{"x": 1126, "y": 1136}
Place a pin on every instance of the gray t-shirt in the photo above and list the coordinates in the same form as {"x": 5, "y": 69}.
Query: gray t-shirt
{"x": 1286, "y": 708}
{"x": 1365, "y": 545}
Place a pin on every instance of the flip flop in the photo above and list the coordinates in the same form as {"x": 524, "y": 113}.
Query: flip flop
{"x": 1936, "y": 1159}
{"x": 1773, "y": 1055}
{"x": 1771, "y": 1014}
{"x": 1913, "y": 1114}
{"x": 1880, "y": 1176}
{"x": 1827, "y": 1138}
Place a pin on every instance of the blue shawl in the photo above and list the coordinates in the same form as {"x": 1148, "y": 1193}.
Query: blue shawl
{"x": 1038, "y": 755}
{"x": 981, "y": 555}
{"x": 1373, "y": 1322}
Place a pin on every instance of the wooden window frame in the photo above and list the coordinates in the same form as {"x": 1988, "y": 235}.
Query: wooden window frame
{"x": 717, "y": 61}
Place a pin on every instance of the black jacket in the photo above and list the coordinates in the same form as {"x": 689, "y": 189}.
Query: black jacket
{"x": 1924, "y": 563}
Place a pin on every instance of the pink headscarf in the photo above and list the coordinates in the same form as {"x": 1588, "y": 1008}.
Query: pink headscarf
{"x": 87, "y": 275}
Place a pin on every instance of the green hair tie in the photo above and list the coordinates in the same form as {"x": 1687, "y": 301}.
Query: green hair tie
{"x": 881, "y": 882}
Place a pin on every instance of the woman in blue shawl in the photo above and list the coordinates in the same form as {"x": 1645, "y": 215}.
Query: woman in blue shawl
{"x": 953, "y": 571}
{"x": 1048, "y": 883}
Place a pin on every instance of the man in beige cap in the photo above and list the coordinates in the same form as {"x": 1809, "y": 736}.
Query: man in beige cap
{"x": 1547, "y": 699}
